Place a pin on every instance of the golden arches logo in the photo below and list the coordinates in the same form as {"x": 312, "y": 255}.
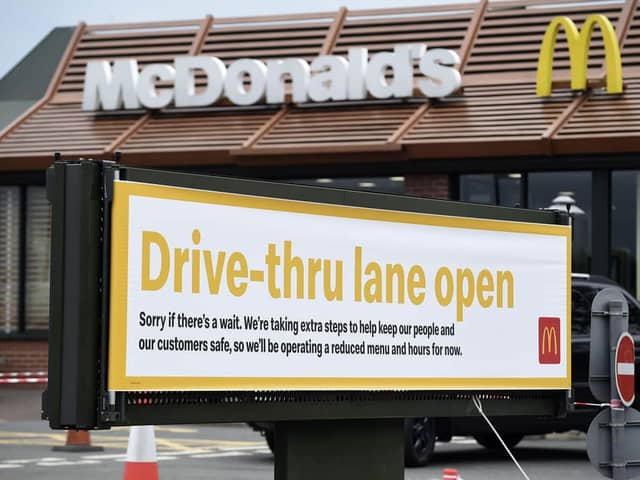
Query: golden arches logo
{"x": 579, "y": 42}
{"x": 549, "y": 338}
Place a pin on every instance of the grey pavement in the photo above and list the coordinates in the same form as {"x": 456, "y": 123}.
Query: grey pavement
{"x": 235, "y": 452}
{"x": 20, "y": 402}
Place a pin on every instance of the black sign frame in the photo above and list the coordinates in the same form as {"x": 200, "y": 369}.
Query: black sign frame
{"x": 81, "y": 192}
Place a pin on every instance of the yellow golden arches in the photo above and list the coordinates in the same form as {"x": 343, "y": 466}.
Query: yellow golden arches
{"x": 579, "y": 43}
{"x": 549, "y": 335}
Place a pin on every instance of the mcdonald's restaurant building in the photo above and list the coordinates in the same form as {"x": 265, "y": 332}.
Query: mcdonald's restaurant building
{"x": 488, "y": 112}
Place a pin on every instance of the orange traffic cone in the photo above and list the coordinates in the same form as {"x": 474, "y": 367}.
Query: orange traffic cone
{"x": 450, "y": 474}
{"x": 142, "y": 463}
{"x": 78, "y": 441}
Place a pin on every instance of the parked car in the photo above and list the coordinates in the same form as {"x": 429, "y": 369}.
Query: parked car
{"x": 421, "y": 433}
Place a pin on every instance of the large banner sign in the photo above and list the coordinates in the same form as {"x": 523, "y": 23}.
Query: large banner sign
{"x": 219, "y": 291}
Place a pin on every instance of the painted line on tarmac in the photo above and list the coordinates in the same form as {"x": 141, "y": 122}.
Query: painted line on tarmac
{"x": 219, "y": 454}
{"x": 171, "y": 444}
{"x": 176, "y": 429}
{"x": 248, "y": 447}
{"x": 159, "y": 458}
{"x": 67, "y": 463}
{"x": 161, "y": 444}
{"x": 51, "y": 436}
{"x": 463, "y": 441}
{"x": 117, "y": 456}
{"x": 121, "y": 457}
{"x": 190, "y": 452}
{"x": 48, "y": 443}
{"x": 160, "y": 428}
{"x": 104, "y": 456}
{"x": 164, "y": 445}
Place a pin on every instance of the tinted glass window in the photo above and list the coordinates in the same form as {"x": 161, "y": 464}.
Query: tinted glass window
{"x": 625, "y": 246}
{"x": 498, "y": 189}
{"x": 581, "y": 299}
{"x": 371, "y": 184}
{"x": 38, "y": 229}
{"x": 546, "y": 188}
{"x": 9, "y": 258}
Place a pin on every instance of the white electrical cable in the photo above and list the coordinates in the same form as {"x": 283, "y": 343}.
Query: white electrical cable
{"x": 476, "y": 402}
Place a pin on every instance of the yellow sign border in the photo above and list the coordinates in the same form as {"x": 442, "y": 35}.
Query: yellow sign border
{"x": 119, "y": 381}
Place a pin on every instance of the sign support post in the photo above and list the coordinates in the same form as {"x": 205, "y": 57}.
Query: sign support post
{"x": 614, "y": 433}
{"x": 371, "y": 449}
{"x": 618, "y": 324}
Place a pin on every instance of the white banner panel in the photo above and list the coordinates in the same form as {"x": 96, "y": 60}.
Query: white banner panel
{"x": 218, "y": 291}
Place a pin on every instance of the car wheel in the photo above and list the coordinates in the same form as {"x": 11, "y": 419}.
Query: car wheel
{"x": 419, "y": 441}
{"x": 491, "y": 442}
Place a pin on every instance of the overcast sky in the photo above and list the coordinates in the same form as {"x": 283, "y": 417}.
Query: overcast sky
{"x": 23, "y": 23}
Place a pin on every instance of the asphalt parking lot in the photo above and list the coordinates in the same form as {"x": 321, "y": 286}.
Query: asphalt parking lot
{"x": 235, "y": 452}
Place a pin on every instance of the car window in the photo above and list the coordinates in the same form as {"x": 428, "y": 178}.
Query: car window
{"x": 581, "y": 298}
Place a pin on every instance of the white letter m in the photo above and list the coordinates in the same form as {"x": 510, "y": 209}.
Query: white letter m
{"x": 108, "y": 87}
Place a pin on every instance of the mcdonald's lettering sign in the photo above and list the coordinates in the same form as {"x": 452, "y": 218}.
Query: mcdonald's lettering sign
{"x": 579, "y": 42}
{"x": 549, "y": 340}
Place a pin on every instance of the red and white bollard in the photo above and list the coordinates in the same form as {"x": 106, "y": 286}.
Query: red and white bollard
{"x": 142, "y": 462}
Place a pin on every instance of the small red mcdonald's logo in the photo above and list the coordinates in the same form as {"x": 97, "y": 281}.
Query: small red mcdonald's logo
{"x": 549, "y": 340}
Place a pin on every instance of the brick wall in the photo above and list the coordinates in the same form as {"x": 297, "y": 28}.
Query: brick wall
{"x": 431, "y": 186}
{"x": 23, "y": 356}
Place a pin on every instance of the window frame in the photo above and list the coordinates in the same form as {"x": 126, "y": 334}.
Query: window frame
{"x": 23, "y": 180}
{"x": 600, "y": 205}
